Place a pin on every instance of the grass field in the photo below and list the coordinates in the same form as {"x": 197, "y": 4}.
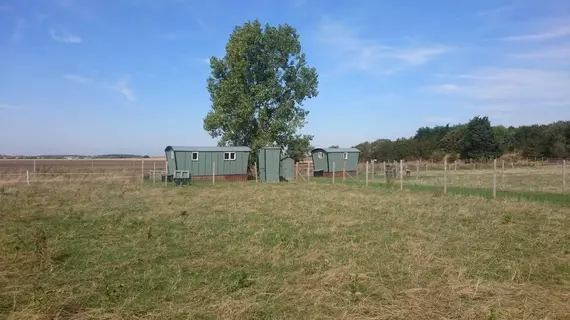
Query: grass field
{"x": 80, "y": 165}
{"x": 286, "y": 251}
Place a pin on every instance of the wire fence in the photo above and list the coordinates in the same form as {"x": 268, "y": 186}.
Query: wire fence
{"x": 537, "y": 180}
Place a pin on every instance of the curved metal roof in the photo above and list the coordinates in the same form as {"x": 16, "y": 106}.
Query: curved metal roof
{"x": 336, "y": 150}
{"x": 208, "y": 149}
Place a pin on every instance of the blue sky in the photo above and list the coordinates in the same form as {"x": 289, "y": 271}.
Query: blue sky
{"x": 129, "y": 76}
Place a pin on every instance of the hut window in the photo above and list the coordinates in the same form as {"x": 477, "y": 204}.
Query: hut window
{"x": 229, "y": 156}
{"x": 345, "y": 156}
{"x": 320, "y": 155}
{"x": 195, "y": 156}
{"x": 172, "y": 154}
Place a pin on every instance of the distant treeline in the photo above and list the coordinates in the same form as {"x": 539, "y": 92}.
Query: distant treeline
{"x": 475, "y": 140}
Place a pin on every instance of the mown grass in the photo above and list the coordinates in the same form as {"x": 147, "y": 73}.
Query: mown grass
{"x": 283, "y": 251}
{"x": 554, "y": 198}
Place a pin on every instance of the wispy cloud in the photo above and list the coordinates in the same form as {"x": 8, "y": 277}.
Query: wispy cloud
{"x": 370, "y": 55}
{"x": 511, "y": 88}
{"x": 560, "y": 32}
{"x": 17, "y": 33}
{"x": 543, "y": 29}
{"x": 77, "y": 78}
{"x": 559, "y": 54}
{"x": 494, "y": 12}
{"x": 123, "y": 88}
{"x": 64, "y": 37}
{"x": 7, "y": 106}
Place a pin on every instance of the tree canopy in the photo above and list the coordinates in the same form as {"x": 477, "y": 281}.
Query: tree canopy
{"x": 258, "y": 88}
{"x": 479, "y": 141}
{"x": 474, "y": 140}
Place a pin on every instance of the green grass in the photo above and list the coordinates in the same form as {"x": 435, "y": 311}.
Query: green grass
{"x": 278, "y": 251}
{"x": 554, "y": 198}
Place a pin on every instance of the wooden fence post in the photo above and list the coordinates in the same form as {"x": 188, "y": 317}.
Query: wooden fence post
{"x": 384, "y": 167}
{"x": 502, "y": 173}
{"x": 214, "y": 172}
{"x": 153, "y": 172}
{"x": 445, "y": 176}
{"x": 142, "y": 171}
{"x": 27, "y": 177}
{"x": 297, "y": 171}
{"x": 494, "y": 178}
{"x": 166, "y": 174}
{"x": 564, "y": 176}
{"x": 418, "y": 169}
{"x": 401, "y": 174}
{"x": 455, "y": 165}
{"x": 334, "y": 172}
{"x": 34, "y": 165}
{"x": 367, "y": 173}
{"x": 344, "y": 171}
{"x": 308, "y": 173}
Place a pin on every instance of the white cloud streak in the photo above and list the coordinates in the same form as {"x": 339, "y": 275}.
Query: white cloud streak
{"x": 369, "y": 55}
{"x": 64, "y": 37}
{"x": 77, "y": 78}
{"x": 17, "y": 33}
{"x": 511, "y": 89}
{"x": 120, "y": 87}
{"x": 556, "y": 33}
{"x": 7, "y": 106}
{"x": 123, "y": 88}
{"x": 494, "y": 12}
{"x": 559, "y": 54}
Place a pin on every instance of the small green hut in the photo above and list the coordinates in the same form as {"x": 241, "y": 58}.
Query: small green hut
{"x": 324, "y": 159}
{"x": 268, "y": 164}
{"x": 274, "y": 166}
{"x": 228, "y": 163}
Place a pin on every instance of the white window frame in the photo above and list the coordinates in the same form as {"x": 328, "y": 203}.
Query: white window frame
{"x": 231, "y": 156}
{"x": 171, "y": 154}
{"x": 320, "y": 154}
{"x": 197, "y": 156}
{"x": 345, "y": 156}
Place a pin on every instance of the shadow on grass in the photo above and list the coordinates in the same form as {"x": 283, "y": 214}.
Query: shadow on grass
{"x": 555, "y": 198}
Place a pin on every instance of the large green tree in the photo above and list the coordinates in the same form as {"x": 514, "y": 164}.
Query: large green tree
{"x": 299, "y": 147}
{"x": 258, "y": 88}
{"x": 479, "y": 140}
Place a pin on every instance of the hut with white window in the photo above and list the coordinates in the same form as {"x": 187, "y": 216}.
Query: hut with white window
{"x": 342, "y": 159}
{"x": 229, "y": 163}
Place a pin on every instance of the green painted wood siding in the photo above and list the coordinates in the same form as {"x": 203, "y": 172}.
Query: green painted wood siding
{"x": 269, "y": 164}
{"x": 203, "y": 166}
{"x": 338, "y": 159}
{"x": 171, "y": 162}
{"x": 287, "y": 169}
{"x": 320, "y": 164}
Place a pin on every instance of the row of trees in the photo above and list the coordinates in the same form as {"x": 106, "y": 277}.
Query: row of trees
{"x": 474, "y": 140}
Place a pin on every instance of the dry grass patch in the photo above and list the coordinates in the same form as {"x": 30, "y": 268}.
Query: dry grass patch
{"x": 294, "y": 251}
